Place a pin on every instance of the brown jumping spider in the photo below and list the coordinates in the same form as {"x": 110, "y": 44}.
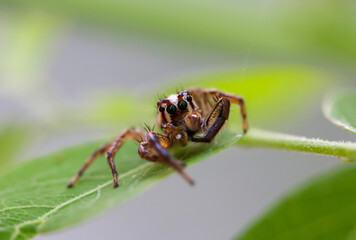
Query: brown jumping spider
{"x": 181, "y": 116}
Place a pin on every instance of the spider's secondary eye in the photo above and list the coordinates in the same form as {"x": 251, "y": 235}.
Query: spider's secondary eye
{"x": 171, "y": 109}
{"x": 182, "y": 105}
{"x": 161, "y": 109}
{"x": 189, "y": 99}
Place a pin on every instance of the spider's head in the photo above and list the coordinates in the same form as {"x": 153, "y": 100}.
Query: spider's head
{"x": 176, "y": 108}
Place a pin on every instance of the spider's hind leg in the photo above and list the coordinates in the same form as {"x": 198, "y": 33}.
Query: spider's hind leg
{"x": 152, "y": 150}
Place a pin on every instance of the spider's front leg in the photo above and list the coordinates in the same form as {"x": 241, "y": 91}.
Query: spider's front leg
{"x": 214, "y": 122}
{"x": 110, "y": 148}
{"x": 88, "y": 162}
{"x": 128, "y": 134}
{"x": 219, "y": 94}
{"x": 152, "y": 150}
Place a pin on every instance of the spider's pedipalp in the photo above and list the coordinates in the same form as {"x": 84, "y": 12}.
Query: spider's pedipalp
{"x": 153, "y": 143}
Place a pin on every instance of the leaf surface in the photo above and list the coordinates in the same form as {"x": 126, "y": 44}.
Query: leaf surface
{"x": 322, "y": 208}
{"x": 340, "y": 109}
{"x": 34, "y": 197}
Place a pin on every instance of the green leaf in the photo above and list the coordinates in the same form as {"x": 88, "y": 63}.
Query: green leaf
{"x": 323, "y": 208}
{"x": 340, "y": 109}
{"x": 34, "y": 197}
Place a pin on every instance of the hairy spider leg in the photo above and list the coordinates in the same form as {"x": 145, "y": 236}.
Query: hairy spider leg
{"x": 215, "y": 121}
{"x": 132, "y": 133}
{"x": 152, "y": 143}
{"x": 88, "y": 162}
{"x": 219, "y": 94}
{"x": 111, "y": 148}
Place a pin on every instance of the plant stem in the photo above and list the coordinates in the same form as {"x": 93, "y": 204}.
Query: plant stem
{"x": 345, "y": 151}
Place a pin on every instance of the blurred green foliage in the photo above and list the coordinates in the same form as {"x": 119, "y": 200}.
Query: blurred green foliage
{"x": 274, "y": 94}
{"x": 25, "y": 44}
{"x": 269, "y": 91}
{"x": 309, "y": 29}
{"x": 12, "y": 138}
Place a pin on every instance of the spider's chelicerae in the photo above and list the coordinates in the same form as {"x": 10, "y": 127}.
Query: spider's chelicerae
{"x": 181, "y": 116}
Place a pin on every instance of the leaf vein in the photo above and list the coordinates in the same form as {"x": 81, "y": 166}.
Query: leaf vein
{"x": 40, "y": 220}
{"x": 25, "y": 206}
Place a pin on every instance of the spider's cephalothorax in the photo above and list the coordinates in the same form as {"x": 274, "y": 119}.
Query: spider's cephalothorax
{"x": 181, "y": 116}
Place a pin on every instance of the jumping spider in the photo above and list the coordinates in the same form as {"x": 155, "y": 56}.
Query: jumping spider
{"x": 181, "y": 116}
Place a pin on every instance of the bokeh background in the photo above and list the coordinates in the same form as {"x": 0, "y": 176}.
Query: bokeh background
{"x": 62, "y": 62}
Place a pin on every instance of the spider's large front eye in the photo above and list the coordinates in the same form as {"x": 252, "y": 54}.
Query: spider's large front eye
{"x": 182, "y": 105}
{"x": 161, "y": 109}
{"x": 171, "y": 109}
{"x": 189, "y": 99}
